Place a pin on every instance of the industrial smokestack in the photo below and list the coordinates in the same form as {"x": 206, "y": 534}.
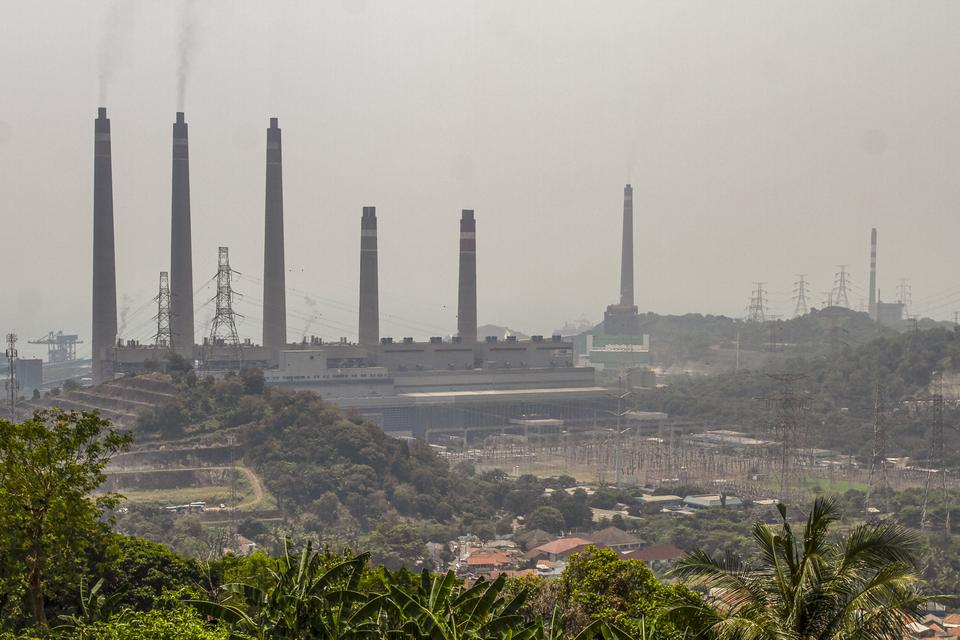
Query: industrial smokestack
{"x": 626, "y": 255}
{"x": 274, "y": 281}
{"x": 873, "y": 273}
{"x": 181, "y": 252}
{"x": 467, "y": 298}
{"x": 104, "y": 259}
{"x": 369, "y": 296}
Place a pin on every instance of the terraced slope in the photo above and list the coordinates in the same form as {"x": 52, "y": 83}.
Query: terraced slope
{"x": 121, "y": 401}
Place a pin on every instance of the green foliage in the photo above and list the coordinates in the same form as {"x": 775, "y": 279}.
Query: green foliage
{"x": 864, "y": 585}
{"x": 842, "y": 390}
{"x": 180, "y": 623}
{"x": 546, "y": 518}
{"x": 599, "y": 585}
{"x": 49, "y": 466}
{"x": 303, "y": 599}
{"x": 139, "y": 571}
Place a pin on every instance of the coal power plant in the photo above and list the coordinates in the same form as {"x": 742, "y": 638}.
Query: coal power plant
{"x": 419, "y": 388}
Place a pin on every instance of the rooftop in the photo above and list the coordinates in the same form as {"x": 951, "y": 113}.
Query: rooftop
{"x": 612, "y": 536}
{"x": 655, "y": 553}
{"x": 562, "y": 545}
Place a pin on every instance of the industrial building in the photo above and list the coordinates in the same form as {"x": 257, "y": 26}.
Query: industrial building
{"x": 618, "y": 343}
{"x": 443, "y": 384}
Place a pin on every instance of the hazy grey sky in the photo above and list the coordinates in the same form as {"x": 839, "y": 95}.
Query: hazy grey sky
{"x": 763, "y": 139}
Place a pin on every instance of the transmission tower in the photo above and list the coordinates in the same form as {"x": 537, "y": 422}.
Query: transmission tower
{"x": 878, "y": 462}
{"x": 904, "y": 295}
{"x": 840, "y": 297}
{"x": 937, "y": 460}
{"x": 791, "y": 405}
{"x": 12, "y": 385}
{"x": 163, "y": 339}
{"x": 223, "y": 329}
{"x": 800, "y": 295}
{"x": 758, "y": 302}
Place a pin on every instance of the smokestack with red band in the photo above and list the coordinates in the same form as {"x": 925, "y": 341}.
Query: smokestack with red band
{"x": 274, "y": 282}
{"x": 104, "y": 259}
{"x": 369, "y": 295}
{"x": 873, "y": 273}
{"x": 181, "y": 252}
{"x": 626, "y": 256}
{"x": 467, "y": 301}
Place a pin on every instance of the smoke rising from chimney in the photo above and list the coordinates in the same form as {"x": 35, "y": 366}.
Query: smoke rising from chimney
{"x": 186, "y": 44}
{"x": 125, "y": 301}
{"x": 116, "y": 27}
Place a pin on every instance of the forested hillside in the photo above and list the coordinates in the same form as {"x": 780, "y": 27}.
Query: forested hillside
{"x": 842, "y": 389}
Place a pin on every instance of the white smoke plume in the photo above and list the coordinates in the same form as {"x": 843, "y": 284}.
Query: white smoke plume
{"x": 312, "y": 317}
{"x": 125, "y": 301}
{"x": 186, "y": 44}
{"x": 117, "y": 23}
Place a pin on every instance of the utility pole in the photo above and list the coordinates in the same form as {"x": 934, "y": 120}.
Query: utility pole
{"x": 758, "y": 301}
{"x": 737, "y": 366}
{"x": 840, "y": 297}
{"x": 12, "y": 385}
{"x": 164, "y": 336}
{"x": 800, "y": 296}
{"x": 223, "y": 329}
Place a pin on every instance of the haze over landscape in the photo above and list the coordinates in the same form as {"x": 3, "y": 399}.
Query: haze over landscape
{"x": 763, "y": 139}
{"x": 554, "y": 321}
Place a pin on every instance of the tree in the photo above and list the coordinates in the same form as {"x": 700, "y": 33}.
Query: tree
{"x": 599, "y": 585}
{"x": 546, "y": 518}
{"x": 49, "y": 465}
{"x": 863, "y": 585}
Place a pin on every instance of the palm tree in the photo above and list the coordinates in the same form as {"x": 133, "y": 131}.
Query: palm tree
{"x": 864, "y": 585}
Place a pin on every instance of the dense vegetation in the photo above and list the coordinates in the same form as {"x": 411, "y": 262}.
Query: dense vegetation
{"x": 64, "y": 574}
{"x": 842, "y": 389}
{"x": 694, "y": 338}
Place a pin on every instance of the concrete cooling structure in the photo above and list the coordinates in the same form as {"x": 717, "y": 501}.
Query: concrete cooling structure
{"x": 415, "y": 387}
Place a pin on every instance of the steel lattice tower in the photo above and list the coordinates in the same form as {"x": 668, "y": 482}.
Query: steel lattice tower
{"x": 756, "y": 311}
{"x": 12, "y": 385}
{"x": 789, "y": 424}
{"x": 800, "y": 289}
{"x": 840, "y": 297}
{"x": 879, "y": 460}
{"x": 223, "y": 329}
{"x": 904, "y": 295}
{"x": 937, "y": 459}
{"x": 164, "y": 336}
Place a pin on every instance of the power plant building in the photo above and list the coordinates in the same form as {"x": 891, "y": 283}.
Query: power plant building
{"x": 464, "y": 381}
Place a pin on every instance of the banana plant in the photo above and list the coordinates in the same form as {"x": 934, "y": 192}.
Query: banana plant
{"x": 440, "y": 609}
{"x": 301, "y": 601}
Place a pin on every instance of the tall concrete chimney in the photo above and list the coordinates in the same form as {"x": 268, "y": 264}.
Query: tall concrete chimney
{"x": 626, "y": 255}
{"x": 181, "y": 252}
{"x": 369, "y": 295}
{"x": 467, "y": 298}
{"x": 873, "y": 273}
{"x": 104, "y": 259}
{"x": 274, "y": 280}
